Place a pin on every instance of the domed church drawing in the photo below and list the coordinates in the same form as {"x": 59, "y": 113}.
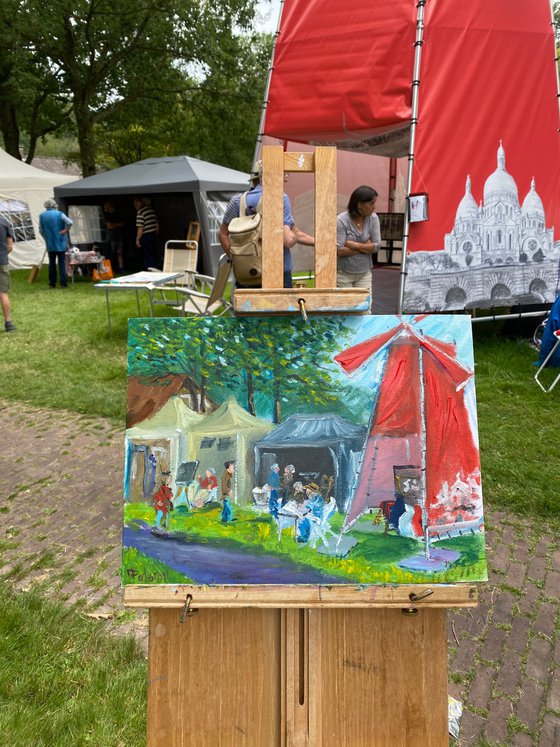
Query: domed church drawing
{"x": 498, "y": 253}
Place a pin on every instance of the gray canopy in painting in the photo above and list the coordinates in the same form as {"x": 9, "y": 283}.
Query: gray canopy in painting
{"x": 317, "y": 445}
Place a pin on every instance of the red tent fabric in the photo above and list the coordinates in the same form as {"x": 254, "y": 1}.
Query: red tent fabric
{"x": 396, "y": 431}
{"x": 341, "y": 71}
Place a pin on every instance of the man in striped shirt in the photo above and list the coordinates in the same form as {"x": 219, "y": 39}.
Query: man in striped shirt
{"x": 147, "y": 227}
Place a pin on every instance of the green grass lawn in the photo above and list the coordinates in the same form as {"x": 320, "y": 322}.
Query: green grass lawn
{"x": 63, "y": 681}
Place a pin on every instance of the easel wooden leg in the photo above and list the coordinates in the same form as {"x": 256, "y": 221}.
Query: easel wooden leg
{"x": 214, "y": 680}
{"x": 298, "y": 678}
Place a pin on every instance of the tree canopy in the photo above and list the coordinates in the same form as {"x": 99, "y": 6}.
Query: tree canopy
{"x": 272, "y": 368}
{"x": 133, "y": 79}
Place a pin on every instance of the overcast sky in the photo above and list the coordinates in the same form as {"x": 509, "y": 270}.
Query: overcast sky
{"x": 268, "y": 10}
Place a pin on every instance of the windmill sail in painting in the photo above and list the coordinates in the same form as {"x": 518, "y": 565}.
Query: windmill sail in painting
{"x": 273, "y": 451}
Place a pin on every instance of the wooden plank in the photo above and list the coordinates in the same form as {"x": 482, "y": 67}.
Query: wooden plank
{"x": 272, "y": 209}
{"x": 458, "y": 595}
{"x": 325, "y": 218}
{"x": 213, "y": 680}
{"x": 299, "y": 162}
{"x": 379, "y": 678}
{"x": 296, "y": 667}
{"x": 286, "y": 300}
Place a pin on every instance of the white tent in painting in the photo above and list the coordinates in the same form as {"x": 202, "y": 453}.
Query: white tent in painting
{"x": 167, "y": 434}
{"x": 23, "y": 191}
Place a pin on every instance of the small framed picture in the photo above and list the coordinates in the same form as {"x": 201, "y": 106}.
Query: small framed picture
{"x": 418, "y": 207}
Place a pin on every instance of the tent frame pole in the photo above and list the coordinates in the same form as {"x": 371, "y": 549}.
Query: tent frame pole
{"x": 260, "y": 133}
{"x": 419, "y": 41}
{"x": 423, "y": 482}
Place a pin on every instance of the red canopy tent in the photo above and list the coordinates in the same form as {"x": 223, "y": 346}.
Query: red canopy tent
{"x": 429, "y": 427}
{"x": 461, "y": 90}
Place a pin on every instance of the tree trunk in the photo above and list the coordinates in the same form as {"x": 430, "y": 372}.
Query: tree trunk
{"x": 250, "y": 393}
{"x": 277, "y": 405}
{"x": 86, "y": 137}
{"x": 9, "y": 128}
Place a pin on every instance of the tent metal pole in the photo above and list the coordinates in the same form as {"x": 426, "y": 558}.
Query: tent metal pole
{"x": 423, "y": 483}
{"x": 413, "y": 122}
{"x": 499, "y": 317}
{"x": 258, "y": 144}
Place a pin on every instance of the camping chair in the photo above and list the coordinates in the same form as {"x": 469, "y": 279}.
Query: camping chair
{"x": 204, "y": 295}
{"x": 549, "y": 348}
{"x": 320, "y": 528}
{"x": 179, "y": 256}
{"x": 543, "y": 365}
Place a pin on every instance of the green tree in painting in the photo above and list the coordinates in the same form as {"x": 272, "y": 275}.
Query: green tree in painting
{"x": 159, "y": 347}
{"x": 282, "y": 362}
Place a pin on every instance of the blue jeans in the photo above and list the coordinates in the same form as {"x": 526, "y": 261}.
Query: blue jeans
{"x": 61, "y": 269}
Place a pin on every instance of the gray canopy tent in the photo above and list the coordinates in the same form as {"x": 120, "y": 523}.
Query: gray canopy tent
{"x": 181, "y": 188}
{"x": 317, "y": 446}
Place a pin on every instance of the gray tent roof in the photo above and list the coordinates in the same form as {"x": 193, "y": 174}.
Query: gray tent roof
{"x": 172, "y": 174}
{"x": 313, "y": 430}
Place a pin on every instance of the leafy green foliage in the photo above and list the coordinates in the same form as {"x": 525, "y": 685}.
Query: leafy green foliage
{"x": 131, "y": 65}
{"x": 281, "y": 363}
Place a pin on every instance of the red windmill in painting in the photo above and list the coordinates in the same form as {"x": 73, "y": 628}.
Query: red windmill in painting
{"x": 420, "y": 425}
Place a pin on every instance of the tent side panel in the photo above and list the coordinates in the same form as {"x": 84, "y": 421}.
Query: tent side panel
{"x": 341, "y": 72}
{"x": 488, "y": 76}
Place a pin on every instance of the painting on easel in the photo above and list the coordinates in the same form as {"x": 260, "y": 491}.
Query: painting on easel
{"x": 341, "y": 450}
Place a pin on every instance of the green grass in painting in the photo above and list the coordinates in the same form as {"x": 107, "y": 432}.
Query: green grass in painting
{"x": 138, "y": 568}
{"x": 77, "y": 686}
{"x": 373, "y": 560}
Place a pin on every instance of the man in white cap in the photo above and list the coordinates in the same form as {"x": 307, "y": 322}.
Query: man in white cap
{"x": 54, "y": 227}
{"x": 292, "y": 234}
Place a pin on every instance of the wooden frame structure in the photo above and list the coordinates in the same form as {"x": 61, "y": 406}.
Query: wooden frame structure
{"x": 325, "y": 297}
{"x": 300, "y": 666}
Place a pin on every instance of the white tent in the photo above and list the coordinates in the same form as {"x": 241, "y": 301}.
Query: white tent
{"x": 23, "y": 190}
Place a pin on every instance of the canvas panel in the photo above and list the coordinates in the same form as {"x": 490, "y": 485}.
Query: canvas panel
{"x": 271, "y": 462}
{"x": 487, "y": 154}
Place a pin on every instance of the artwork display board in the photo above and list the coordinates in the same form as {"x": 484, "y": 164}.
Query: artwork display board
{"x": 279, "y": 454}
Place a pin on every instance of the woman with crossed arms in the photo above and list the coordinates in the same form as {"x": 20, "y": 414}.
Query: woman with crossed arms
{"x": 357, "y": 239}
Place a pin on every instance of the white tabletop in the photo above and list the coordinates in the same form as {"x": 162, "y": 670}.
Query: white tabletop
{"x": 143, "y": 279}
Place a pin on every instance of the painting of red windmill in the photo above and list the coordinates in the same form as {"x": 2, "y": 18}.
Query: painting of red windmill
{"x": 421, "y": 463}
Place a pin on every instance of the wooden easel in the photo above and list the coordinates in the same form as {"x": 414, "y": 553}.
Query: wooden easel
{"x": 323, "y": 666}
{"x": 325, "y": 297}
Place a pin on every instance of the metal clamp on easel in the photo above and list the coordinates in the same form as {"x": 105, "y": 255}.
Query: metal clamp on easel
{"x": 416, "y": 598}
{"x": 187, "y": 610}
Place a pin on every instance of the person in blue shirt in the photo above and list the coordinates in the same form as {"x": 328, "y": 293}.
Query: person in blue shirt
{"x": 54, "y": 226}
{"x": 292, "y": 234}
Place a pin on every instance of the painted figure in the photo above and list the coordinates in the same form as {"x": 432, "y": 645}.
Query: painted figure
{"x": 209, "y": 484}
{"x": 315, "y": 500}
{"x": 227, "y": 492}
{"x": 397, "y": 510}
{"x": 163, "y": 501}
{"x": 274, "y": 485}
{"x": 287, "y": 483}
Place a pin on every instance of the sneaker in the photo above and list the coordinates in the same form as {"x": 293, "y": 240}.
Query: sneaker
{"x": 9, "y": 326}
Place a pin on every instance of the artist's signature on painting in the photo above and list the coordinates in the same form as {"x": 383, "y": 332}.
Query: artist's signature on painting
{"x": 153, "y": 577}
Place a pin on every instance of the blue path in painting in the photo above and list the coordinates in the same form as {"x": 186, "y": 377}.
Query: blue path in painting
{"x": 208, "y": 564}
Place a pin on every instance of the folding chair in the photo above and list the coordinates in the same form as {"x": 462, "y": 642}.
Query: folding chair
{"x": 543, "y": 365}
{"x": 179, "y": 256}
{"x": 204, "y": 295}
